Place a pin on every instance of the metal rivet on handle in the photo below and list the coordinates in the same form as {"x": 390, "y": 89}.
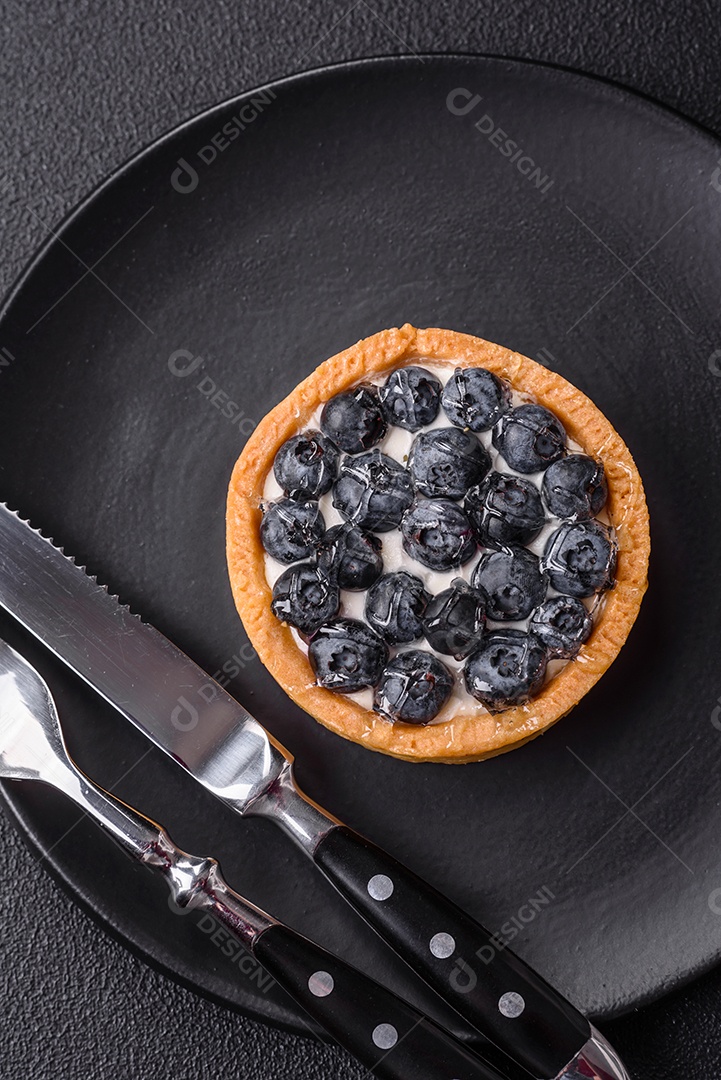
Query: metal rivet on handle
{"x": 321, "y": 984}
{"x": 442, "y": 945}
{"x": 385, "y": 1036}
{"x": 380, "y": 887}
{"x": 511, "y": 1004}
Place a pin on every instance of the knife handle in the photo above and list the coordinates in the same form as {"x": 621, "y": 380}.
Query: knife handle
{"x": 488, "y": 985}
{"x": 382, "y": 1031}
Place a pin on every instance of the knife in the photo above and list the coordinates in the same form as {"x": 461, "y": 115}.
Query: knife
{"x": 385, "y": 1033}
{"x": 206, "y": 731}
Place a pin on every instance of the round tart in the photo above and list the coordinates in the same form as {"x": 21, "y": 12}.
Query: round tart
{"x": 436, "y": 545}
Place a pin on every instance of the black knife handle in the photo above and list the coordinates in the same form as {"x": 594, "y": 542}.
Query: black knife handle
{"x": 384, "y": 1032}
{"x": 487, "y": 984}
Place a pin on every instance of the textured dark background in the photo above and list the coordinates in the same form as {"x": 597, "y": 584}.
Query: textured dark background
{"x": 84, "y": 87}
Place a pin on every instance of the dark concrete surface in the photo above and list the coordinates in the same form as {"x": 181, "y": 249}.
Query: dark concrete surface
{"x": 84, "y": 86}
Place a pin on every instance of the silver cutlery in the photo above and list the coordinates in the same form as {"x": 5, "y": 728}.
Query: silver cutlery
{"x": 194, "y": 720}
{"x": 384, "y": 1032}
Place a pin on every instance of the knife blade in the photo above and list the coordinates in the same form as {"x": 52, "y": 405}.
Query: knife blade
{"x": 339, "y": 997}
{"x": 192, "y": 718}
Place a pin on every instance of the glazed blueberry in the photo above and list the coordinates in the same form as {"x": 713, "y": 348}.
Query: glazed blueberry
{"x": 530, "y": 438}
{"x": 411, "y": 398}
{"x": 562, "y": 624}
{"x": 306, "y": 465}
{"x": 580, "y": 558}
{"x": 346, "y": 655}
{"x": 395, "y": 606}
{"x": 437, "y": 533}
{"x": 373, "y": 491}
{"x": 352, "y": 557}
{"x": 446, "y": 462}
{"x": 475, "y": 398}
{"x": 291, "y": 529}
{"x": 512, "y": 582}
{"x": 507, "y": 670}
{"x": 505, "y": 510}
{"x": 414, "y": 687}
{"x": 354, "y": 420}
{"x": 305, "y": 597}
{"x": 575, "y": 487}
{"x": 454, "y": 620}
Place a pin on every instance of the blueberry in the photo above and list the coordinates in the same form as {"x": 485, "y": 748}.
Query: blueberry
{"x": 437, "y": 533}
{"x": 507, "y": 670}
{"x": 512, "y": 583}
{"x": 562, "y": 624}
{"x": 447, "y": 462}
{"x": 475, "y": 398}
{"x": 305, "y": 597}
{"x": 414, "y": 687}
{"x": 306, "y": 465}
{"x": 291, "y": 529}
{"x": 530, "y": 438}
{"x": 575, "y": 487}
{"x": 354, "y": 420}
{"x": 580, "y": 558}
{"x": 352, "y": 557}
{"x": 411, "y": 398}
{"x": 455, "y": 619}
{"x": 346, "y": 655}
{"x": 395, "y": 605}
{"x": 373, "y": 491}
{"x": 505, "y": 510}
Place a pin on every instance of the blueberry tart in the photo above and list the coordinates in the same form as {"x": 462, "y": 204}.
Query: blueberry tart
{"x": 436, "y": 545}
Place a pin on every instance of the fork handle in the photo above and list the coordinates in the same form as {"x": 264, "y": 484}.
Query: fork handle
{"x": 381, "y": 1030}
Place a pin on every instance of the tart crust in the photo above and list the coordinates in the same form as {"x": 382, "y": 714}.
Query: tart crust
{"x": 472, "y": 734}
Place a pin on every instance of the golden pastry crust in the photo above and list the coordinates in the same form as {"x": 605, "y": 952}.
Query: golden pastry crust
{"x": 474, "y": 734}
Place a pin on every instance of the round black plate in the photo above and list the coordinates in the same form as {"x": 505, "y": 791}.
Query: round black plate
{"x": 558, "y": 215}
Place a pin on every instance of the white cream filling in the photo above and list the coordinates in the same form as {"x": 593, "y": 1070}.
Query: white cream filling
{"x": 396, "y": 444}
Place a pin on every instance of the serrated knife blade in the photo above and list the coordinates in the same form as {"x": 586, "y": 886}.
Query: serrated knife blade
{"x": 194, "y": 720}
{"x": 134, "y": 667}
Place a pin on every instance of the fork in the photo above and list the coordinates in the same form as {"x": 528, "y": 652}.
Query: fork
{"x": 384, "y": 1032}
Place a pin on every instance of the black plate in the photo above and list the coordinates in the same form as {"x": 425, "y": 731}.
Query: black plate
{"x": 356, "y": 198}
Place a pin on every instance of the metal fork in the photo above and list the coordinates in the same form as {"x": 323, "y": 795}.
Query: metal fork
{"x": 385, "y": 1033}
